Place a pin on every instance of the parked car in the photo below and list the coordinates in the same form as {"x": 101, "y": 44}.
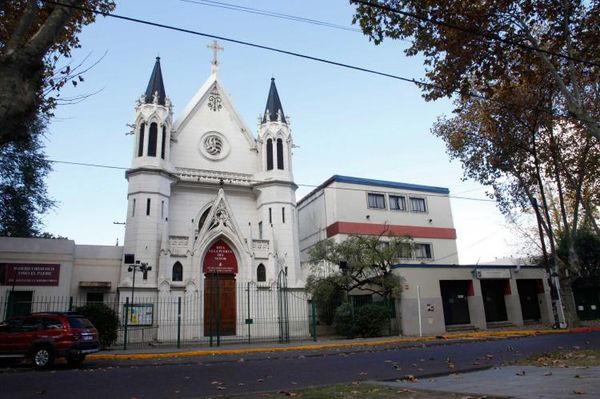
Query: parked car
{"x": 43, "y": 337}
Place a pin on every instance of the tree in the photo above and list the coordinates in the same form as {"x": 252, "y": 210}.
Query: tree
{"x": 471, "y": 48}
{"x": 526, "y": 122}
{"x": 34, "y": 35}
{"x": 23, "y": 191}
{"x": 365, "y": 263}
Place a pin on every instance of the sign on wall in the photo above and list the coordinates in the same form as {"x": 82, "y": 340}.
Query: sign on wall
{"x": 220, "y": 259}
{"x": 29, "y": 274}
{"x": 140, "y": 314}
{"x": 483, "y": 274}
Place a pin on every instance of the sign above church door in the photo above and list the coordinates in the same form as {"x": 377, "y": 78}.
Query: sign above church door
{"x": 220, "y": 259}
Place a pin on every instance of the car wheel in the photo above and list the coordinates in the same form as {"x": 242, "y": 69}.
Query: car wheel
{"x": 42, "y": 357}
{"x": 75, "y": 360}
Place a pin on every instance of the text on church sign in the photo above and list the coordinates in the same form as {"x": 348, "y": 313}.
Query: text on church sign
{"x": 29, "y": 274}
{"x": 220, "y": 259}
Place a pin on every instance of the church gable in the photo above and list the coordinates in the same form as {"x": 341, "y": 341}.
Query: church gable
{"x": 211, "y": 135}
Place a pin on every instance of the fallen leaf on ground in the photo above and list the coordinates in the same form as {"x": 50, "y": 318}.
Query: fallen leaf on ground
{"x": 522, "y": 372}
{"x": 548, "y": 373}
{"x": 579, "y": 392}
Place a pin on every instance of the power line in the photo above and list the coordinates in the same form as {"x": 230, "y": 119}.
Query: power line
{"x": 96, "y": 165}
{"x": 268, "y": 13}
{"x": 487, "y": 35}
{"x": 304, "y": 56}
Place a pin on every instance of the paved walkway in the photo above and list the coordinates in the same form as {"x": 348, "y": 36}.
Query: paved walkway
{"x": 526, "y": 382}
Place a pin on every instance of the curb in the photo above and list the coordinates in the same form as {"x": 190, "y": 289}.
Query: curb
{"x": 474, "y": 336}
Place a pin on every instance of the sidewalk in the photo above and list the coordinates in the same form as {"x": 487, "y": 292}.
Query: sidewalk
{"x": 325, "y": 344}
{"x": 522, "y": 382}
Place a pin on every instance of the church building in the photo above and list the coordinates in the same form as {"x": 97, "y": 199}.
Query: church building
{"x": 210, "y": 206}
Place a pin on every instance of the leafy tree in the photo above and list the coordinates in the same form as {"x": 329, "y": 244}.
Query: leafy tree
{"x": 34, "y": 35}
{"x": 587, "y": 245}
{"x": 23, "y": 191}
{"x": 471, "y": 48}
{"x": 526, "y": 122}
{"x": 327, "y": 293}
{"x": 365, "y": 263}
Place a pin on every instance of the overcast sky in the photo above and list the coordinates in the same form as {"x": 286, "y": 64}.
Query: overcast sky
{"x": 344, "y": 122}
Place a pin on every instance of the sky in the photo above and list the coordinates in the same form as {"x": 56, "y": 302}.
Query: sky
{"x": 343, "y": 121}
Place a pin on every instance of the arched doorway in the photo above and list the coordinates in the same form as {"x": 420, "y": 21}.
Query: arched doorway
{"x": 219, "y": 267}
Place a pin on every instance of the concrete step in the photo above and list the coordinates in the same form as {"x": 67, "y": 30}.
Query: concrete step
{"x": 461, "y": 327}
{"x": 500, "y": 324}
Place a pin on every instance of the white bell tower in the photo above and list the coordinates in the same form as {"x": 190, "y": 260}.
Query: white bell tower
{"x": 276, "y": 188}
{"x": 149, "y": 184}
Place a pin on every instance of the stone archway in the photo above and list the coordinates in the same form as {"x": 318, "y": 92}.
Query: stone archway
{"x": 220, "y": 267}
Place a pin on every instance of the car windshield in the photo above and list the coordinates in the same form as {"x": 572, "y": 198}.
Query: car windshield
{"x": 80, "y": 322}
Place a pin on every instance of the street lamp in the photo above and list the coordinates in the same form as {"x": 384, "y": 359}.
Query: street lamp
{"x": 137, "y": 266}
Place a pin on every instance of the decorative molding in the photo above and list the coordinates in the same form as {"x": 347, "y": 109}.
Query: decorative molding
{"x": 214, "y": 176}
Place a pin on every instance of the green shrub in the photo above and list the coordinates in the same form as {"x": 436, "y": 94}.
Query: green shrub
{"x": 342, "y": 321}
{"x": 104, "y": 319}
{"x": 327, "y": 295}
{"x": 369, "y": 320}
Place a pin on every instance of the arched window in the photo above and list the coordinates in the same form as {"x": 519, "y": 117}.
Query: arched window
{"x": 203, "y": 218}
{"x": 177, "y": 274}
{"x": 141, "y": 142}
{"x": 261, "y": 273}
{"x": 279, "y": 154}
{"x": 152, "y": 137}
{"x": 269, "y": 154}
{"x": 164, "y": 144}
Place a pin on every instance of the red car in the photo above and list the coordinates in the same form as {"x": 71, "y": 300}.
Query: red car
{"x": 42, "y": 337}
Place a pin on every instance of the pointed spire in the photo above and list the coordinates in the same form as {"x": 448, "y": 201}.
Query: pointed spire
{"x": 273, "y": 108}
{"x": 155, "y": 86}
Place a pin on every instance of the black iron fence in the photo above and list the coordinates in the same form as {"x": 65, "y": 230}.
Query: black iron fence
{"x": 243, "y": 313}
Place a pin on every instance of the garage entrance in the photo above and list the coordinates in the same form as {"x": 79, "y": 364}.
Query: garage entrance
{"x": 493, "y": 292}
{"x": 455, "y": 301}
{"x": 528, "y": 296}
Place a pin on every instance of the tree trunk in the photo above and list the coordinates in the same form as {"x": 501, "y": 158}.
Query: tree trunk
{"x": 568, "y": 300}
{"x": 21, "y": 82}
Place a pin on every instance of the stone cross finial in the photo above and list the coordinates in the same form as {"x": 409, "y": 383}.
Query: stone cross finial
{"x": 215, "y": 48}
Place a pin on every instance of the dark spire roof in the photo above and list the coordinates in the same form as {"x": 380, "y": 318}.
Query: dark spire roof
{"x": 155, "y": 85}
{"x": 273, "y": 105}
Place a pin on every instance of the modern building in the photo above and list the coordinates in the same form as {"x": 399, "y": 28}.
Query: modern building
{"x": 438, "y": 294}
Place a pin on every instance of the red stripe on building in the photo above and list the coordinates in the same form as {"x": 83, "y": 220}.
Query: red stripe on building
{"x": 377, "y": 229}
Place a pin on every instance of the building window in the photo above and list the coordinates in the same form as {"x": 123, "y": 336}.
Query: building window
{"x": 148, "y": 207}
{"x": 270, "y": 216}
{"x": 133, "y": 208}
{"x": 260, "y": 231}
{"x": 141, "y": 142}
{"x": 163, "y": 142}
{"x": 279, "y": 154}
{"x": 152, "y": 137}
{"x": 203, "y": 218}
{"x": 417, "y": 204}
{"x": 422, "y": 251}
{"x": 177, "y": 273}
{"x": 94, "y": 297}
{"x": 397, "y": 203}
{"x": 162, "y": 210}
{"x": 376, "y": 200}
{"x": 405, "y": 251}
{"x": 269, "y": 154}
{"x": 261, "y": 273}
{"x": 282, "y": 214}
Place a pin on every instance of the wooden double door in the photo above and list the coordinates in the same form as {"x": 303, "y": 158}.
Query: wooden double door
{"x": 219, "y": 304}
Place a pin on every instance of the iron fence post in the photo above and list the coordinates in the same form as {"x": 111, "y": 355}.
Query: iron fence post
{"x": 126, "y": 323}
{"x": 314, "y": 319}
{"x": 179, "y": 322}
{"x": 70, "y": 303}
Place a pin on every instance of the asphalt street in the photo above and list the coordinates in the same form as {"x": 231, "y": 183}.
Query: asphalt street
{"x": 230, "y": 375}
